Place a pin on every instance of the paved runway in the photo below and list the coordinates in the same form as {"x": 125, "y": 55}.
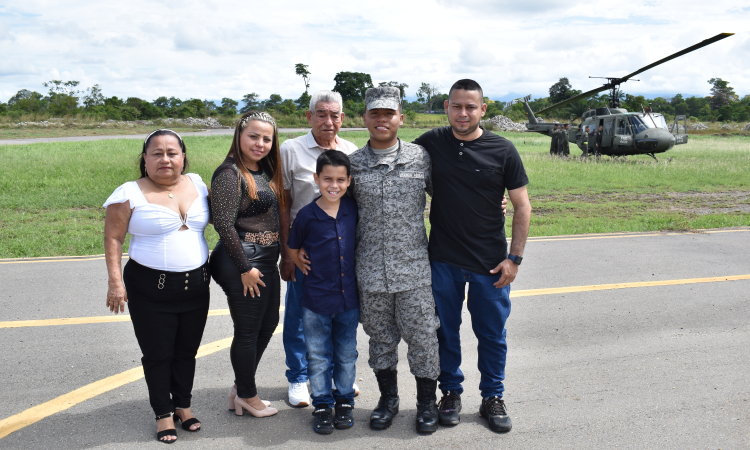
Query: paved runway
{"x": 615, "y": 341}
{"x": 209, "y": 132}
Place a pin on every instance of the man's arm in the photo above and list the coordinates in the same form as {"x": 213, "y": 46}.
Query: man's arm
{"x": 287, "y": 263}
{"x": 519, "y": 198}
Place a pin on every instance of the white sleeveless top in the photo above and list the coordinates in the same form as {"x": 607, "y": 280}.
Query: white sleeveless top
{"x": 156, "y": 241}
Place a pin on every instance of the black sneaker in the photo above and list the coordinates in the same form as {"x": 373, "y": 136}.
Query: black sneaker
{"x": 344, "y": 417}
{"x": 323, "y": 420}
{"x": 449, "y": 407}
{"x": 493, "y": 409}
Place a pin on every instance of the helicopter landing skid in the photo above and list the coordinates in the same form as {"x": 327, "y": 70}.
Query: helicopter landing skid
{"x": 652, "y": 155}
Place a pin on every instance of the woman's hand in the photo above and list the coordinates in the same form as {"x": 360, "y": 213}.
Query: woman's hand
{"x": 250, "y": 281}
{"x": 301, "y": 260}
{"x": 116, "y": 298}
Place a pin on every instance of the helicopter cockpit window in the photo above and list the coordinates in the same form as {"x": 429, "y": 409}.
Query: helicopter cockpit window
{"x": 660, "y": 122}
{"x": 641, "y": 123}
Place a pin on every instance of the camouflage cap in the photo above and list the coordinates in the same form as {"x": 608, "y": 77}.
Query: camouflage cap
{"x": 386, "y": 97}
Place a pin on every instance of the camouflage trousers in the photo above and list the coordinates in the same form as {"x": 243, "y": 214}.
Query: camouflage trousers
{"x": 410, "y": 315}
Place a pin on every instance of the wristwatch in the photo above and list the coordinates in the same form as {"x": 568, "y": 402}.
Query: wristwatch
{"x": 516, "y": 259}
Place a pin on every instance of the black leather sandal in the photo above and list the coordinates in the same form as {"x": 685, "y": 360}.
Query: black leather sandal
{"x": 188, "y": 423}
{"x": 163, "y": 433}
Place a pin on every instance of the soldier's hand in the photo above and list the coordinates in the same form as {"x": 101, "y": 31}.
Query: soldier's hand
{"x": 508, "y": 271}
{"x": 505, "y": 205}
{"x": 286, "y": 269}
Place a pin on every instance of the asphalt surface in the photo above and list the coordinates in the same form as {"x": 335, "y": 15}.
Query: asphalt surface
{"x": 664, "y": 367}
{"x": 209, "y": 132}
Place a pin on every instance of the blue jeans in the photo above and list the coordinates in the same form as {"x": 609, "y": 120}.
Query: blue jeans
{"x": 331, "y": 339}
{"x": 293, "y": 337}
{"x": 489, "y": 308}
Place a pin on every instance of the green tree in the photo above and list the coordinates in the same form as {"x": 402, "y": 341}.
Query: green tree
{"x": 560, "y": 91}
{"x": 301, "y": 70}
{"x": 426, "y": 95}
{"x": 228, "y": 107}
{"x": 401, "y": 87}
{"x": 272, "y": 103}
{"x": 94, "y": 97}
{"x": 634, "y": 103}
{"x": 250, "y": 101}
{"x": 27, "y": 102}
{"x": 62, "y": 97}
{"x": 303, "y": 102}
{"x": 161, "y": 102}
{"x": 352, "y": 85}
{"x": 287, "y": 107}
{"x": 721, "y": 93}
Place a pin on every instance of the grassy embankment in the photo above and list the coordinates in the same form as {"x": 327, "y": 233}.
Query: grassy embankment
{"x": 51, "y": 194}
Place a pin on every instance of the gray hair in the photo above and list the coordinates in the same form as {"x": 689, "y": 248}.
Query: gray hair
{"x": 326, "y": 96}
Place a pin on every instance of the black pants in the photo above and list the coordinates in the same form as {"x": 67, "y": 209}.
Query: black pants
{"x": 168, "y": 321}
{"x": 255, "y": 319}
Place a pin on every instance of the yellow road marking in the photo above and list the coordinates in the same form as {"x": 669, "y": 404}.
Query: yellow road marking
{"x": 65, "y": 401}
{"x": 87, "y": 320}
{"x": 603, "y": 287}
{"x": 532, "y": 239}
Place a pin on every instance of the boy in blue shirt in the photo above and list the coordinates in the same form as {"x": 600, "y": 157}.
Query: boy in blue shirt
{"x": 325, "y": 231}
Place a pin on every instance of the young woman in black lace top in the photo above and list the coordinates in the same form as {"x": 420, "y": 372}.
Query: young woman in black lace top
{"x": 246, "y": 190}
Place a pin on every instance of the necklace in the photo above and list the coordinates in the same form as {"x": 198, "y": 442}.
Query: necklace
{"x": 169, "y": 192}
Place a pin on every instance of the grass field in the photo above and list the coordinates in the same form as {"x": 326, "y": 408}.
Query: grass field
{"x": 51, "y": 194}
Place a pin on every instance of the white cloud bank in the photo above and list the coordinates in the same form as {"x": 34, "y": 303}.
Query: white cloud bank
{"x": 227, "y": 49}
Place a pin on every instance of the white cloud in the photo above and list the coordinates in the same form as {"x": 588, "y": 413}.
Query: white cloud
{"x": 218, "y": 49}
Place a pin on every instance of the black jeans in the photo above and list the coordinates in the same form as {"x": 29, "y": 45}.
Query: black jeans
{"x": 255, "y": 319}
{"x": 168, "y": 321}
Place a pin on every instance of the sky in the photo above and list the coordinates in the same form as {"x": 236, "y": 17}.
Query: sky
{"x": 214, "y": 49}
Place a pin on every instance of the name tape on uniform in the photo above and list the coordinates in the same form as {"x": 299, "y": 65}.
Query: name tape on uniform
{"x": 367, "y": 178}
{"x": 405, "y": 174}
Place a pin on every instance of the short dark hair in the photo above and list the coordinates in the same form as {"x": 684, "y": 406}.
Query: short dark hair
{"x": 335, "y": 158}
{"x": 467, "y": 85}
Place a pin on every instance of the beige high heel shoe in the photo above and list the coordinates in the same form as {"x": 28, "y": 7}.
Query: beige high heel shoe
{"x": 233, "y": 394}
{"x": 240, "y": 404}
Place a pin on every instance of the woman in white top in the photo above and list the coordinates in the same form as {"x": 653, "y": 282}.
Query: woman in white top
{"x": 166, "y": 280}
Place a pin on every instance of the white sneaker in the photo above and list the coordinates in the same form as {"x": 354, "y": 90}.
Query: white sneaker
{"x": 356, "y": 388}
{"x": 298, "y": 394}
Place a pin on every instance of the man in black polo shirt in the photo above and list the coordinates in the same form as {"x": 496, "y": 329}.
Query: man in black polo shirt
{"x": 472, "y": 168}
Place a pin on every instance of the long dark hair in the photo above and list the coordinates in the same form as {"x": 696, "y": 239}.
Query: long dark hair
{"x": 162, "y": 132}
{"x": 271, "y": 163}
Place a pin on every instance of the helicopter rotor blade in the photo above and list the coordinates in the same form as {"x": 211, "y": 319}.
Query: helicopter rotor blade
{"x": 702, "y": 44}
{"x": 574, "y": 98}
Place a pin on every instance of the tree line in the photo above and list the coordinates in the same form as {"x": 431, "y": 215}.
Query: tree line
{"x": 65, "y": 99}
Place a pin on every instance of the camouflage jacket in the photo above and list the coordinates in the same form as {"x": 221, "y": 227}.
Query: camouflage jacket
{"x": 391, "y": 250}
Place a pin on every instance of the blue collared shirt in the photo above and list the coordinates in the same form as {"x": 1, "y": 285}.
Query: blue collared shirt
{"x": 330, "y": 286}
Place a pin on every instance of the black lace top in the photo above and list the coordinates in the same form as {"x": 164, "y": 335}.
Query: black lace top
{"x": 234, "y": 211}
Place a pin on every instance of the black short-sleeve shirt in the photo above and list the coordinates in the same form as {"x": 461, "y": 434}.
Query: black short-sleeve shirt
{"x": 469, "y": 181}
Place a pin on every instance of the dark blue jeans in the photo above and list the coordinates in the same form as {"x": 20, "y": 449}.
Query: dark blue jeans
{"x": 489, "y": 308}
{"x": 293, "y": 337}
{"x": 331, "y": 339}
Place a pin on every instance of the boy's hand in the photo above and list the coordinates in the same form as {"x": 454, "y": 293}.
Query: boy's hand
{"x": 301, "y": 259}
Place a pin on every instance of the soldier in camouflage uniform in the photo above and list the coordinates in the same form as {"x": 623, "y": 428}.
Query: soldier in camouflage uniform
{"x": 553, "y": 148}
{"x": 564, "y": 146}
{"x": 391, "y": 260}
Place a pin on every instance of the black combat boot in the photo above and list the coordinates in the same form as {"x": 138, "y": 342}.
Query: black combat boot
{"x": 427, "y": 410}
{"x": 382, "y": 417}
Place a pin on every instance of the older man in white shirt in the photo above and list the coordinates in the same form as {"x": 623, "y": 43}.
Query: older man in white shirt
{"x": 298, "y": 157}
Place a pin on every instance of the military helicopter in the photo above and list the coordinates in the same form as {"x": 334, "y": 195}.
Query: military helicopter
{"x": 624, "y": 133}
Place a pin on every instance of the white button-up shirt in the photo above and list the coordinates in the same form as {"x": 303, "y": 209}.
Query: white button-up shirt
{"x": 298, "y": 159}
